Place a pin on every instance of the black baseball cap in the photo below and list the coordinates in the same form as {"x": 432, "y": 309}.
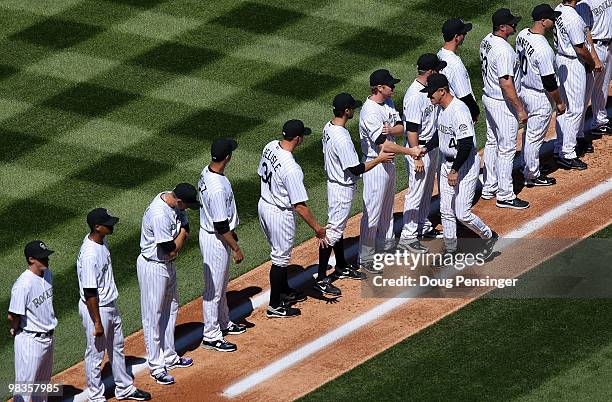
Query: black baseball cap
{"x": 222, "y": 148}
{"x": 186, "y": 193}
{"x": 100, "y": 216}
{"x": 503, "y": 16}
{"x": 455, "y": 26}
{"x": 382, "y": 77}
{"x": 435, "y": 82}
{"x": 430, "y": 61}
{"x": 344, "y": 101}
{"x": 37, "y": 249}
{"x": 295, "y": 128}
{"x": 544, "y": 12}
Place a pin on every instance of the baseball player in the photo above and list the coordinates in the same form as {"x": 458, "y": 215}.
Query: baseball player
{"x": 99, "y": 312}
{"x": 572, "y": 57}
{"x": 282, "y": 196}
{"x": 420, "y": 118}
{"x": 454, "y": 32}
{"x": 218, "y": 221}
{"x": 504, "y": 110}
{"x": 32, "y": 320}
{"x": 538, "y": 86}
{"x": 164, "y": 232}
{"x": 343, "y": 169}
{"x": 599, "y": 15}
{"x": 460, "y": 167}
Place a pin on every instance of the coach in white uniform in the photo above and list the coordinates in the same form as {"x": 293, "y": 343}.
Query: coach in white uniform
{"x": 218, "y": 222}
{"x": 538, "y": 87}
{"x": 282, "y": 196}
{"x": 99, "y": 312}
{"x": 454, "y": 31}
{"x": 164, "y": 231}
{"x": 504, "y": 110}
{"x": 342, "y": 168}
{"x": 420, "y": 117}
{"x": 32, "y": 320}
{"x": 572, "y": 57}
{"x": 460, "y": 167}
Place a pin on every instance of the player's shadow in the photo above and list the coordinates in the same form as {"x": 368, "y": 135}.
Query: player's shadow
{"x": 240, "y": 304}
{"x": 68, "y": 391}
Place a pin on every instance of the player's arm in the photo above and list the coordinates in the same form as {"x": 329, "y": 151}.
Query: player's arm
{"x": 93, "y": 307}
{"x": 412, "y": 129}
{"x": 397, "y": 130}
{"x": 550, "y": 85}
{"x": 584, "y": 55}
{"x": 506, "y": 84}
{"x": 14, "y": 321}
{"x": 392, "y": 147}
{"x": 472, "y": 105}
{"x": 433, "y": 143}
{"x": 173, "y": 247}
{"x": 217, "y": 207}
{"x": 17, "y": 307}
{"x": 224, "y": 231}
{"x": 597, "y": 64}
{"x": 306, "y": 214}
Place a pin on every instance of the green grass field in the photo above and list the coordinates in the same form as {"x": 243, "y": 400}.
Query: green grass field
{"x": 497, "y": 349}
{"x": 106, "y": 103}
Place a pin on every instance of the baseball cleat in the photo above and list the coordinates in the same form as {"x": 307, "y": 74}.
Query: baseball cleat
{"x": 234, "y": 329}
{"x": 432, "y": 234}
{"x": 163, "y": 378}
{"x": 326, "y": 287}
{"x": 583, "y": 146}
{"x": 220, "y": 345}
{"x": 349, "y": 272}
{"x": 369, "y": 268}
{"x": 282, "y": 311}
{"x": 540, "y": 181}
{"x": 574, "y": 163}
{"x": 293, "y": 296}
{"x": 604, "y": 129}
{"x": 487, "y": 250}
{"x": 182, "y": 362}
{"x": 412, "y": 245}
{"x": 137, "y": 395}
{"x": 516, "y": 203}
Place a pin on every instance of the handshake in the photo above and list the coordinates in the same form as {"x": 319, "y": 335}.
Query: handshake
{"x": 389, "y": 149}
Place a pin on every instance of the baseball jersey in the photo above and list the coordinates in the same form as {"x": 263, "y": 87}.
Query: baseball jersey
{"x": 32, "y": 299}
{"x": 371, "y": 121}
{"x": 570, "y": 30}
{"x": 160, "y": 224}
{"x": 217, "y": 199}
{"x": 536, "y": 57}
{"x": 597, "y": 15}
{"x": 282, "y": 179}
{"x": 339, "y": 154}
{"x": 456, "y": 73}
{"x": 498, "y": 59}
{"x": 419, "y": 110}
{"x": 95, "y": 271}
{"x": 455, "y": 123}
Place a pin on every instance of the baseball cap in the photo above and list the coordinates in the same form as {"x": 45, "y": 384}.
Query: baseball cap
{"x": 455, "y": 26}
{"x": 435, "y": 82}
{"x": 382, "y": 77}
{"x": 344, "y": 101}
{"x": 37, "y": 249}
{"x": 295, "y": 128}
{"x": 222, "y": 148}
{"x": 186, "y": 193}
{"x": 430, "y": 61}
{"x": 544, "y": 12}
{"x": 503, "y": 16}
{"x": 100, "y": 216}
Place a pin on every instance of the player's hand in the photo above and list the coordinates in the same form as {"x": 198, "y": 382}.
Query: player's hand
{"x": 13, "y": 332}
{"x": 419, "y": 166}
{"x": 386, "y": 128}
{"x": 522, "y": 116}
{"x": 453, "y": 178}
{"x": 321, "y": 234}
{"x": 98, "y": 329}
{"x": 384, "y": 156}
{"x": 598, "y": 66}
{"x": 238, "y": 256}
{"x": 561, "y": 108}
{"x": 417, "y": 152}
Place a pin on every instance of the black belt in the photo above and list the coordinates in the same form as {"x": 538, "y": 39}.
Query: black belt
{"x": 152, "y": 260}
{"x": 602, "y": 41}
{"x": 422, "y": 142}
{"x": 40, "y": 334}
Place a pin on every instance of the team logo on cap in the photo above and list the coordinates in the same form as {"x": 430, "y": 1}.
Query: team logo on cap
{"x": 43, "y": 246}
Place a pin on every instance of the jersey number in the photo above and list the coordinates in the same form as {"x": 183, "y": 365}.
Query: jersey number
{"x": 484, "y": 64}
{"x": 523, "y": 59}
{"x": 452, "y": 143}
{"x": 267, "y": 176}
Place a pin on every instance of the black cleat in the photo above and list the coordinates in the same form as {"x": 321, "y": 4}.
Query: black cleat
{"x": 282, "y": 311}
{"x": 234, "y": 329}
{"x": 575, "y": 163}
{"x": 540, "y": 181}
{"x": 137, "y": 395}
{"x": 220, "y": 345}
{"x": 326, "y": 287}
{"x": 605, "y": 129}
{"x": 349, "y": 272}
{"x": 293, "y": 296}
{"x": 516, "y": 203}
{"x": 487, "y": 250}
{"x": 369, "y": 268}
{"x": 432, "y": 234}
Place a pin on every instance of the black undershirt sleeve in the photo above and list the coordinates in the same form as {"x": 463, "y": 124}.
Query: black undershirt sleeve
{"x": 433, "y": 142}
{"x": 221, "y": 227}
{"x": 168, "y": 246}
{"x": 90, "y": 292}
{"x": 357, "y": 170}
{"x": 464, "y": 147}
{"x": 472, "y": 105}
{"x": 380, "y": 140}
{"x": 549, "y": 82}
{"x": 412, "y": 127}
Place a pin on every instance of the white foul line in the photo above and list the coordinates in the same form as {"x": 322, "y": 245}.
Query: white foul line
{"x": 310, "y": 348}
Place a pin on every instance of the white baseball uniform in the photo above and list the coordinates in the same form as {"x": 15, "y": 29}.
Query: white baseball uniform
{"x": 282, "y": 186}
{"x": 537, "y": 60}
{"x": 597, "y": 15}
{"x": 419, "y": 110}
{"x": 569, "y": 31}
{"x": 32, "y": 299}
{"x": 95, "y": 271}
{"x": 218, "y": 205}
{"x": 458, "y": 77}
{"x": 339, "y": 154}
{"x": 379, "y": 182}
{"x": 455, "y": 123}
{"x": 159, "y": 299}
{"x": 498, "y": 59}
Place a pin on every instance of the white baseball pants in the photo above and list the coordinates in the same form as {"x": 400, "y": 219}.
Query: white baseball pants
{"x": 572, "y": 86}
{"x": 339, "y": 201}
{"x": 278, "y": 225}
{"x": 33, "y": 362}
{"x": 539, "y": 110}
{"x": 418, "y": 196}
{"x": 601, "y": 86}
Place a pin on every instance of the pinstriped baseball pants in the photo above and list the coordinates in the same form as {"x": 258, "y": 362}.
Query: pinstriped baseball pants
{"x": 573, "y": 88}
{"x": 418, "y": 196}
{"x": 33, "y": 362}
{"x": 279, "y": 227}
{"x": 339, "y": 201}
{"x": 602, "y": 85}
{"x": 539, "y": 110}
